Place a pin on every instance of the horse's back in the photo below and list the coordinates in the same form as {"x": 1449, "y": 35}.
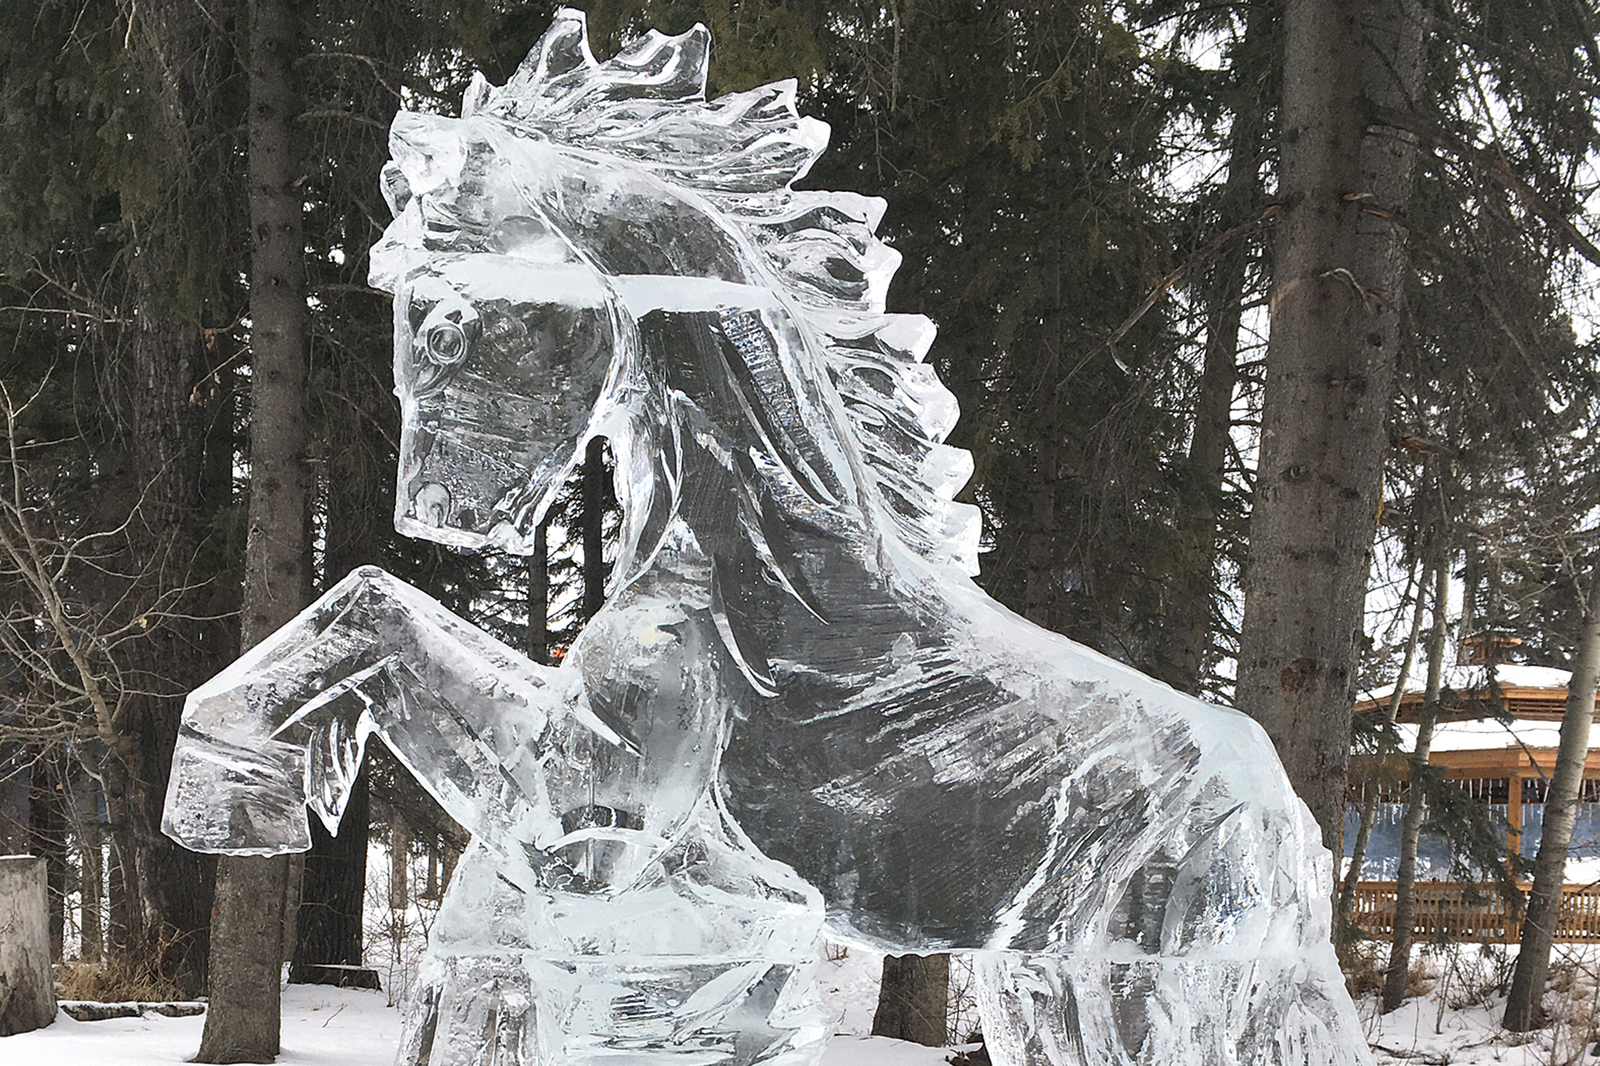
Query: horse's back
{"x": 977, "y": 778}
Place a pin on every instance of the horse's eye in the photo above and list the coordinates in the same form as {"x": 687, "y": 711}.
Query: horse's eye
{"x": 446, "y": 343}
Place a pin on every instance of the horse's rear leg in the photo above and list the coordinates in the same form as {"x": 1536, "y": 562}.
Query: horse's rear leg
{"x": 1217, "y": 956}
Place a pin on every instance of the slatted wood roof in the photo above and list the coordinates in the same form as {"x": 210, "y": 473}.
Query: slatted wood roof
{"x": 1529, "y": 693}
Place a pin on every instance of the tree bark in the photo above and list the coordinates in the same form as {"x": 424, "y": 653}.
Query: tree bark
{"x": 1336, "y": 313}
{"x": 914, "y": 999}
{"x": 245, "y": 1012}
{"x": 358, "y": 487}
{"x": 1405, "y": 898}
{"x": 538, "y": 636}
{"x": 1037, "y": 536}
{"x": 47, "y": 828}
{"x": 1369, "y": 802}
{"x": 29, "y": 1001}
{"x": 332, "y": 893}
{"x": 594, "y": 504}
{"x": 169, "y": 480}
{"x": 399, "y": 862}
{"x": 167, "y": 888}
{"x": 1523, "y": 1004}
{"x": 119, "y": 929}
{"x": 91, "y": 866}
{"x": 1187, "y": 633}
{"x": 242, "y": 1024}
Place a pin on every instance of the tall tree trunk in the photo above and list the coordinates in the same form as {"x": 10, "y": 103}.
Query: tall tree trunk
{"x": 914, "y": 999}
{"x": 333, "y": 890}
{"x": 1040, "y": 559}
{"x": 594, "y": 504}
{"x": 537, "y": 640}
{"x": 359, "y": 489}
{"x": 47, "y": 828}
{"x": 119, "y": 935}
{"x": 1336, "y": 312}
{"x": 242, "y": 1024}
{"x": 91, "y": 865}
{"x": 399, "y": 862}
{"x": 1187, "y": 632}
{"x": 1038, "y": 535}
{"x": 1369, "y": 802}
{"x": 173, "y": 438}
{"x": 1523, "y": 1010}
{"x": 1405, "y": 897}
{"x": 168, "y": 888}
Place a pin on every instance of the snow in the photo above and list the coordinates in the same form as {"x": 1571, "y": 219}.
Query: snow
{"x": 1484, "y": 735}
{"x": 1475, "y": 676}
{"x": 1454, "y": 1021}
{"x": 1456, "y": 1018}
{"x": 848, "y": 981}
{"x": 322, "y": 1026}
{"x": 326, "y": 1026}
{"x": 880, "y": 1051}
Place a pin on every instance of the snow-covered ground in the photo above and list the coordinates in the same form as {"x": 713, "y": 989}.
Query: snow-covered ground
{"x": 1456, "y": 1018}
{"x": 324, "y": 1026}
{"x": 321, "y": 1027}
{"x": 1454, "y": 1021}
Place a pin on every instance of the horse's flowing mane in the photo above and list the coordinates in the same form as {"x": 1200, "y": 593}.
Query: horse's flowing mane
{"x": 740, "y": 154}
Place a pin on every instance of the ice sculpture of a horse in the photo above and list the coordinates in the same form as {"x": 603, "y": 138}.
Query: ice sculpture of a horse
{"x": 795, "y": 706}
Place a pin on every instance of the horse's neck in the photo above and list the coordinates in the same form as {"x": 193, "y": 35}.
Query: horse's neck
{"x": 862, "y": 610}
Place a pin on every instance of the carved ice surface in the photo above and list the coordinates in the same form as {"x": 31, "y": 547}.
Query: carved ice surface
{"x": 795, "y": 706}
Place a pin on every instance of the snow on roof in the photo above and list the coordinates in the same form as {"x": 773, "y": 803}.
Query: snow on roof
{"x": 1475, "y": 677}
{"x": 1484, "y": 734}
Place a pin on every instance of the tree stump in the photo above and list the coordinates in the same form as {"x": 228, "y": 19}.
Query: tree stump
{"x": 913, "y": 999}
{"x": 27, "y": 985}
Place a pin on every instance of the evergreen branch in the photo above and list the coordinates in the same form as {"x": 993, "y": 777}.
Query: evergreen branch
{"x": 1166, "y": 284}
{"x": 1491, "y": 162}
{"x": 353, "y": 116}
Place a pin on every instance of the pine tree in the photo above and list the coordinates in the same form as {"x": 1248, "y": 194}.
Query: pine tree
{"x": 1338, "y": 292}
{"x": 247, "y": 945}
{"x": 108, "y": 125}
{"x": 1523, "y": 1001}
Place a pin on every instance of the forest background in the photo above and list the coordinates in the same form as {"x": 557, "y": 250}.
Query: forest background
{"x": 1258, "y": 313}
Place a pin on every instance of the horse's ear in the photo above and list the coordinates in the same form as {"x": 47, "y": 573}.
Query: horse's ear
{"x": 558, "y": 65}
{"x": 477, "y": 95}
{"x": 563, "y": 49}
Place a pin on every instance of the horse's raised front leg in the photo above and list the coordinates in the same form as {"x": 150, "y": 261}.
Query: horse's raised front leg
{"x": 285, "y": 727}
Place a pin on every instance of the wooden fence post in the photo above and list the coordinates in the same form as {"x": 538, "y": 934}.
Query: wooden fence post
{"x": 27, "y": 985}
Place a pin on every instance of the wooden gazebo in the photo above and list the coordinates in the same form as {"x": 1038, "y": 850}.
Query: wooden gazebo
{"x": 1503, "y": 763}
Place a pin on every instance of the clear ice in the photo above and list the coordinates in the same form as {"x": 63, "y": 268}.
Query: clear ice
{"x": 796, "y": 711}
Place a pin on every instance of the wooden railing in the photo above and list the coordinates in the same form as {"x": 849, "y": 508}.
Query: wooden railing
{"x": 1457, "y": 910}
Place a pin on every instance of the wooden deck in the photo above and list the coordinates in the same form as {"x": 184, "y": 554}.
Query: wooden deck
{"x": 1446, "y": 910}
